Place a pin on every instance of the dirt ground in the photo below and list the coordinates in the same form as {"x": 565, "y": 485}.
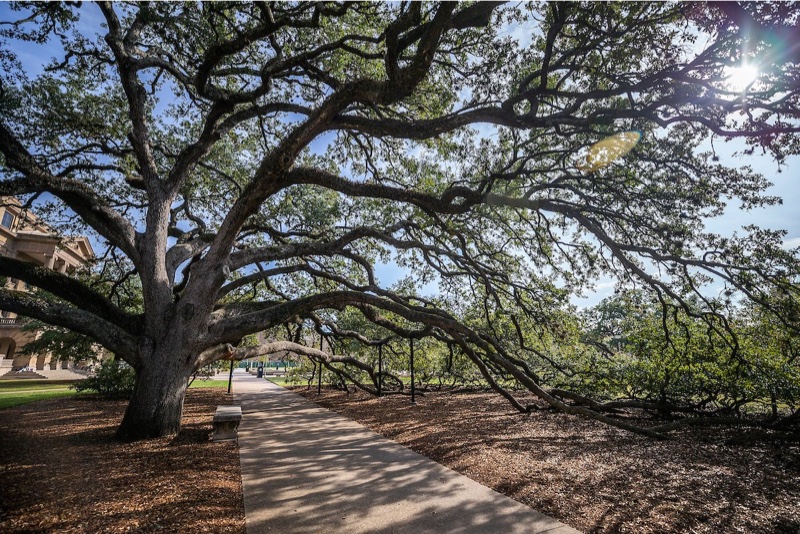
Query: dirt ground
{"x": 591, "y": 476}
{"x": 61, "y": 471}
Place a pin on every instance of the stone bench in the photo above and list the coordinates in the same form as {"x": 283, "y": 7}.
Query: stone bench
{"x": 226, "y": 423}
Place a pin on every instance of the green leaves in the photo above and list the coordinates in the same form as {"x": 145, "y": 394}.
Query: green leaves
{"x": 114, "y": 379}
{"x": 61, "y": 344}
{"x": 675, "y": 356}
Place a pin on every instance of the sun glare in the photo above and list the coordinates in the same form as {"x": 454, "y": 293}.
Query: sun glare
{"x": 739, "y": 78}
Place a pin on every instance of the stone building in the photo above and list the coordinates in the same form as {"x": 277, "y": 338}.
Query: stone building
{"x": 25, "y": 237}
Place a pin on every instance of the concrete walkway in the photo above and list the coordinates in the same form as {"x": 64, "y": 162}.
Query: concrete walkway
{"x": 308, "y": 470}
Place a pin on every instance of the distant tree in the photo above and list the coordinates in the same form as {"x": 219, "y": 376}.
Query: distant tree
{"x": 772, "y": 351}
{"x": 249, "y": 165}
{"x": 670, "y": 362}
{"x": 61, "y": 344}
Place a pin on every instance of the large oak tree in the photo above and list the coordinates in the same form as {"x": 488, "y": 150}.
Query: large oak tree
{"x": 249, "y": 165}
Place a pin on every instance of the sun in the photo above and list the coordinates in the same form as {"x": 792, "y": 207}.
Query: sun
{"x": 739, "y": 78}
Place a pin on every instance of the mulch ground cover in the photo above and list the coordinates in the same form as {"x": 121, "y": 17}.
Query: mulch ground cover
{"x": 61, "y": 471}
{"x": 591, "y": 476}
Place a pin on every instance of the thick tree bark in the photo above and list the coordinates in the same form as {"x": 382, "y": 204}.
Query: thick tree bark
{"x": 156, "y": 407}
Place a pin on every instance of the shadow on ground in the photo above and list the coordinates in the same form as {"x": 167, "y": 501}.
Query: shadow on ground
{"x": 306, "y": 469}
{"x": 591, "y": 476}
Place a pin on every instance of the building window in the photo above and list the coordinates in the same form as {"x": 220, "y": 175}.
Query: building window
{"x": 8, "y": 220}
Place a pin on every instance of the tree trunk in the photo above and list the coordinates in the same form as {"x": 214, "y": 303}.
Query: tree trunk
{"x": 156, "y": 407}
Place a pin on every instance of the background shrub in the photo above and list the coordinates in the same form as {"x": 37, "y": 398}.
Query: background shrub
{"x": 114, "y": 379}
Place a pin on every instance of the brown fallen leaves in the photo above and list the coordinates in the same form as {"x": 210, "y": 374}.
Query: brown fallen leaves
{"x": 61, "y": 471}
{"x": 591, "y": 476}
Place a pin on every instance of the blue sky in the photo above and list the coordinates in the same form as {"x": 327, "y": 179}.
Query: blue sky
{"x": 785, "y": 216}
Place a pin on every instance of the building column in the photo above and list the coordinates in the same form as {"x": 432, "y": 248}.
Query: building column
{"x": 49, "y": 260}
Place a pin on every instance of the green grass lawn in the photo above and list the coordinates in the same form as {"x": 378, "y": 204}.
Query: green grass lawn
{"x": 17, "y": 385}
{"x": 19, "y": 392}
{"x": 280, "y": 380}
{"x": 209, "y": 384}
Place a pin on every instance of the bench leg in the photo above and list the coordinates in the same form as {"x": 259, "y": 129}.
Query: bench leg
{"x": 225, "y": 431}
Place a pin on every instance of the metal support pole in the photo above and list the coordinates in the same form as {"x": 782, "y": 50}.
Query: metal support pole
{"x": 319, "y": 378}
{"x": 230, "y": 378}
{"x": 413, "y": 389}
{"x": 380, "y": 369}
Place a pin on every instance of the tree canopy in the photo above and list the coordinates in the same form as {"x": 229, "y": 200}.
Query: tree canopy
{"x": 247, "y": 166}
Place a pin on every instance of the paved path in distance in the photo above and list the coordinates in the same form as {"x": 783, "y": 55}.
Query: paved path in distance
{"x": 308, "y": 470}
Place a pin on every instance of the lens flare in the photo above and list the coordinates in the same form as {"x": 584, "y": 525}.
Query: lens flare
{"x": 602, "y": 153}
